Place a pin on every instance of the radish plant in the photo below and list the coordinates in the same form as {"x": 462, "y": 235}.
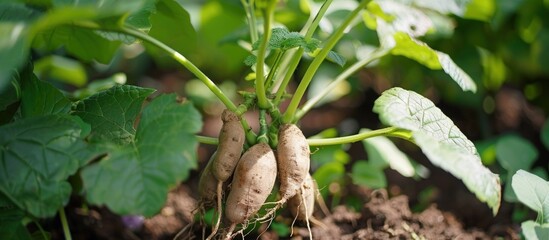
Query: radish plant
{"x": 129, "y": 148}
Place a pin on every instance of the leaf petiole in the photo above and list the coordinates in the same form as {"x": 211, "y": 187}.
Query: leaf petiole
{"x": 389, "y": 131}
{"x": 268, "y": 13}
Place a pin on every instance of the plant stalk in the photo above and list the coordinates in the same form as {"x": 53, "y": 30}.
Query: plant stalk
{"x": 261, "y": 93}
{"x": 65, "y": 224}
{"x": 389, "y": 131}
{"x": 315, "y": 64}
{"x": 292, "y": 58}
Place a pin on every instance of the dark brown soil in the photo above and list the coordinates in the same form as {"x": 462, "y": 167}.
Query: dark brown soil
{"x": 380, "y": 218}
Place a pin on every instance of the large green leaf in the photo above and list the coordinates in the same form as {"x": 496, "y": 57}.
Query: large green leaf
{"x": 11, "y": 221}
{"x": 40, "y": 98}
{"x": 171, "y": 24}
{"x": 441, "y": 141}
{"x": 37, "y": 155}
{"x": 135, "y": 178}
{"x": 533, "y": 192}
{"x": 112, "y": 113}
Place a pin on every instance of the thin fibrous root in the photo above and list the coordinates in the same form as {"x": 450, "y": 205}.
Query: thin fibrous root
{"x": 219, "y": 211}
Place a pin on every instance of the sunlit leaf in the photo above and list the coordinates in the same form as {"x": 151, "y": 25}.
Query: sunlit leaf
{"x": 405, "y": 18}
{"x": 419, "y": 51}
{"x": 456, "y": 73}
{"x": 135, "y": 178}
{"x": 37, "y": 155}
{"x": 441, "y": 141}
{"x": 112, "y": 113}
{"x": 533, "y": 192}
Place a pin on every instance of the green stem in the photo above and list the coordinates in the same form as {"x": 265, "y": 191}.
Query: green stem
{"x": 207, "y": 140}
{"x": 292, "y": 58}
{"x": 250, "y": 135}
{"x": 269, "y": 81}
{"x": 341, "y": 77}
{"x": 389, "y": 131}
{"x": 315, "y": 64}
{"x": 65, "y": 224}
{"x": 44, "y": 236}
{"x": 263, "y": 128}
{"x": 250, "y": 15}
{"x": 268, "y": 13}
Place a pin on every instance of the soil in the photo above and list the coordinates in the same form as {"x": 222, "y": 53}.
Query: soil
{"x": 382, "y": 217}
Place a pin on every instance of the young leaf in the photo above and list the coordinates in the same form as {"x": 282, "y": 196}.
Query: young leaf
{"x": 441, "y": 141}
{"x": 405, "y": 18}
{"x": 533, "y": 192}
{"x": 336, "y": 58}
{"x": 456, "y": 73}
{"x": 381, "y": 151}
{"x": 171, "y": 24}
{"x": 37, "y": 155}
{"x": 135, "y": 178}
{"x": 535, "y": 231}
{"x": 39, "y": 98}
{"x": 112, "y": 113}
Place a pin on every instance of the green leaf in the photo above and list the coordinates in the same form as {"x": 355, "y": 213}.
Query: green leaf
{"x": 99, "y": 85}
{"x": 112, "y": 113}
{"x": 9, "y": 102}
{"x": 414, "y": 49}
{"x": 104, "y": 8}
{"x": 405, "y": 18}
{"x": 382, "y": 152}
{"x": 62, "y": 69}
{"x": 514, "y": 153}
{"x": 171, "y": 24}
{"x": 364, "y": 173}
{"x": 37, "y": 155}
{"x": 533, "y": 192}
{"x": 141, "y": 18}
{"x": 39, "y": 98}
{"x": 135, "y": 178}
{"x": 329, "y": 173}
{"x": 535, "y": 231}
{"x": 336, "y": 58}
{"x": 85, "y": 44}
{"x": 545, "y": 134}
{"x": 11, "y": 219}
{"x": 441, "y": 141}
{"x": 456, "y": 73}
{"x": 13, "y": 50}
{"x": 456, "y": 7}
